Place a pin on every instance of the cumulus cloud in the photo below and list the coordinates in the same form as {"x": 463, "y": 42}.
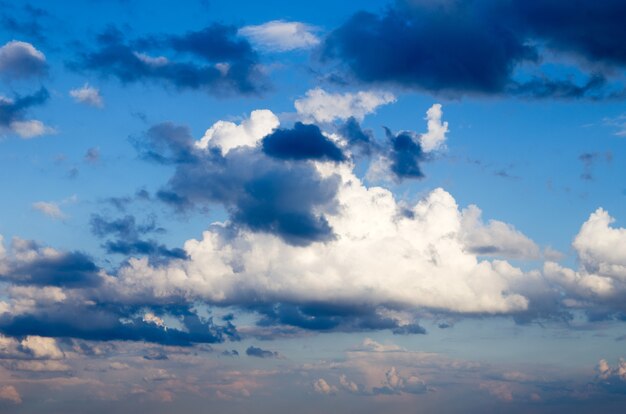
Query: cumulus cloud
{"x": 321, "y": 106}
{"x": 10, "y": 393}
{"x": 228, "y": 135}
{"x": 87, "y": 95}
{"x": 254, "y": 351}
{"x": 21, "y": 60}
{"x": 281, "y": 36}
{"x": 432, "y": 270}
{"x": 42, "y": 348}
{"x": 13, "y": 115}
{"x": 435, "y": 137}
{"x": 322, "y": 387}
{"x": 495, "y": 238}
{"x": 602, "y": 273}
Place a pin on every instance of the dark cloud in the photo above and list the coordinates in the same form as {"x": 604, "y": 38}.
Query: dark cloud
{"x": 474, "y": 47}
{"x": 92, "y": 155}
{"x": 66, "y": 269}
{"x": 108, "y": 323}
{"x": 128, "y": 237}
{"x": 410, "y": 329}
{"x": 260, "y": 353}
{"x": 302, "y": 142}
{"x": 363, "y": 140}
{"x": 593, "y": 30}
{"x": 261, "y": 193}
{"x": 218, "y": 61}
{"x": 329, "y": 317}
{"x": 14, "y": 110}
{"x": 405, "y": 155}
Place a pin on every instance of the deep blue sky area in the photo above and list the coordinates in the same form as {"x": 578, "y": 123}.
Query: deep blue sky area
{"x": 400, "y": 206}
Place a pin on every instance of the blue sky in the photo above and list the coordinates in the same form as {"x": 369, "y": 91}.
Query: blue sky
{"x": 260, "y": 206}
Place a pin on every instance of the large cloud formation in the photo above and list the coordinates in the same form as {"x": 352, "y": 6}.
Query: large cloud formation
{"x": 474, "y": 47}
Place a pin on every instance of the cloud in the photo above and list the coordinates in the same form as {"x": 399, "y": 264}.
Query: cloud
{"x": 433, "y": 268}
{"x": 87, "y": 95}
{"x": 260, "y": 193}
{"x": 227, "y": 135}
{"x": 322, "y": 387}
{"x": 302, "y": 142}
{"x": 495, "y": 238}
{"x": 50, "y": 209}
{"x": 42, "y": 348}
{"x": 322, "y": 106}
{"x": 601, "y": 251}
{"x": 463, "y": 48}
{"x": 253, "y": 351}
{"x": 435, "y": 137}
{"x": 20, "y": 60}
{"x": 10, "y": 393}
{"x": 13, "y": 115}
{"x": 128, "y": 237}
{"x": 281, "y": 36}
{"x": 221, "y": 62}
{"x": 589, "y": 159}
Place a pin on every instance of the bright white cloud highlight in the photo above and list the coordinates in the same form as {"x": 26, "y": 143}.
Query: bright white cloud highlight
{"x": 87, "y": 95}
{"x": 228, "y": 135}
{"x": 435, "y": 137}
{"x": 281, "y": 36}
{"x": 321, "y": 106}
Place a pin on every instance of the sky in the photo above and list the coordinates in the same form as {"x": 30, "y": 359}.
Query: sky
{"x": 382, "y": 206}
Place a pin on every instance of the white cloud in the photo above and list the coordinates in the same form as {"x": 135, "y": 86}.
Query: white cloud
{"x": 322, "y": 106}
{"x": 369, "y": 345}
{"x": 87, "y": 95}
{"x": 228, "y": 135}
{"x": 601, "y": 251}
{"x": 281, "y": 36}
{"x": 42, "y": 348}
{"x": 496, "y": 238}
{"x": 21, "y": 60}
{"x": 50, "y": 209}
{"x": 9, "y": 393}
{"x": 432, "y": 265}
{"x": 435, "y": 137}
{"x": 322, "y": 387}
{"x": 30, "y": 129}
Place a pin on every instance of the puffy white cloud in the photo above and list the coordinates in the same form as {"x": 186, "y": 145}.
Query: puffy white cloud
{"x": 322, "y": 387}
{"x": 435, "y": 137}
{"x": 43, "y": 348}
{"x": 87, "y": 95}
{"x": 321, "y": 106}
{"x": 601, "y": 251}
{"x": 21, "y": 60}
{"x": 600, "y": 247}
{"x": 9, "y": 393}
{"x": 495, "y": 238}
{"x": 369, "y": 345}
{"x": 281, "y": 36}
{"x": 30, "y": 129}
{"x": 431, "y": 265}
{"x": 228, "y": 135}
{"x": 50, "y": 209}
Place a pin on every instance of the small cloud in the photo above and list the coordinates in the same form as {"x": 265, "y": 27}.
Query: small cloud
{"x": 50, "y": 209}
{"x": 92, "y": 155}
{"x": 21, "y": 60}
{"x": 322, "y": 387}
{"x": 321, "y": 106}
{"x": 281, "y": 36}
{"x": 253, "y": 351}
{"x": 9, "y": 393}
{"x": 88, "y": 95}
